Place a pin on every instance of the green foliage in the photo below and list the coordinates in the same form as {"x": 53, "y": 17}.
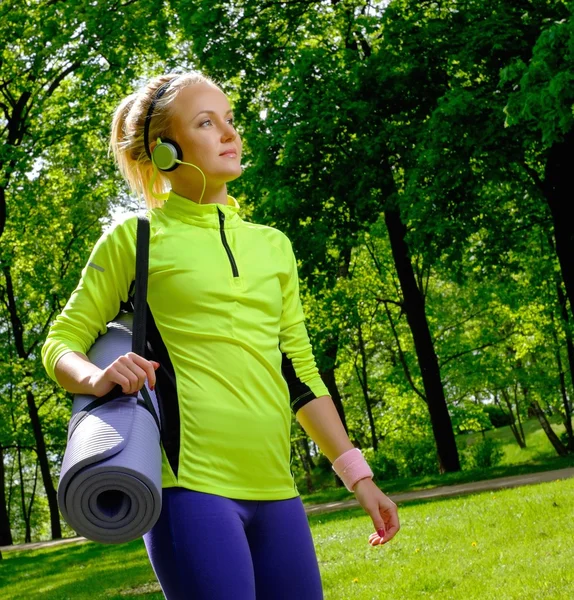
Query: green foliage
{"x": 445, "y": 110}
{"x": 63, "y": 68}
{"x": 470, "y": 416}
{"x": 543, "y": 98}
{"x": 484, "y": 454}
{"x": 405, "y": 458}
{"x": 384, "y": 466}
{"x": 497, "y": 416}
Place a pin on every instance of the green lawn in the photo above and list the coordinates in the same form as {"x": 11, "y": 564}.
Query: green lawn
{"x": 511, "y": 544}
{"x": 537, "y": 445}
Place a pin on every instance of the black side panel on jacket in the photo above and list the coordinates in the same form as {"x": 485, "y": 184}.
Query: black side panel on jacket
{"x": 300, "y": 393}
{"x": 166, "y": 392}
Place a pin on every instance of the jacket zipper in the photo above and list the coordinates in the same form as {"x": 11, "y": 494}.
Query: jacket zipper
{"x": 226, "y": 245}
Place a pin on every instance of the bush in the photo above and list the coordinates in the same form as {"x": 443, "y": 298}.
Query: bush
{"x": 419, "y": 457}
{"x": 482, "y": 455}
{"x": 498, "y": 417}
{"x": 405, "y": 458}
{"x": 384, "y": 467}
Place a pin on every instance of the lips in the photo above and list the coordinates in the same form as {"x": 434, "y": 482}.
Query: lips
{"x": 231, "y": 153}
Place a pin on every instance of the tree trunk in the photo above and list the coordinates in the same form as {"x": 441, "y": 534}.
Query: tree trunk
{"x": 44, "y": 467}
{"x": 307, "y": 467}
{"x": 362, "y": 377}
{"x": 558, "y": 192}
{"x": 18, "y": 335}
{"x": 328, "y": 376}
{"x": 554, "y": 440}
{"x": 518, "y": 434}
{"x": 569, "y": 353}
{"x": 2, "y": 209}
{"x": 307, "y": 451}
{"x": 5, "y": 533}
{"x": 414, "y": 306}
{"x": 25, "y": 513}
{"x": 565, "y": 401}
{"x": 296, "y": 445}
{"x": 518, "y": 418}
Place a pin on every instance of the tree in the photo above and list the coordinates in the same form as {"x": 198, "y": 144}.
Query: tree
{"x": 317, "y": 91}
{"x": 60, "y": 73}
{"x": 540, "y": 107}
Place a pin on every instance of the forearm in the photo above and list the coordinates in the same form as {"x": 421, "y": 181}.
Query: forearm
{"x": 320, "y": 419}
{"x": 74, "y": 373}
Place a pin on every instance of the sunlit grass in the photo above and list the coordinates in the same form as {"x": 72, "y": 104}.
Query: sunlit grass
{"x": 538, "y": 446}
{"x": 511, "y": 544}
{"x": 83, "y": 570}
{"x": 504, "y": 545}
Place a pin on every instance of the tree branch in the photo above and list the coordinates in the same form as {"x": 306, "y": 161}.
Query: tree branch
{"x": 470, "y": 351}
{"x": 402, "y": 356}
{"x": 455, "y": 325}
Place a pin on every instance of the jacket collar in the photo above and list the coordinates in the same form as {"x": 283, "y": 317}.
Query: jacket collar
{"x": 203, "y": 215}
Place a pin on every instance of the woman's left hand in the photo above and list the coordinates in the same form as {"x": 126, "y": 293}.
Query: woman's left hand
{"x": 381, "y": 509}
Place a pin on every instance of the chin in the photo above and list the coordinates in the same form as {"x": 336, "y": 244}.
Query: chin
{"x": 232, "y": 176}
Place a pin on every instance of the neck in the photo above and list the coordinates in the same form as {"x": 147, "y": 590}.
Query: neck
{"x": 212, "y": 195}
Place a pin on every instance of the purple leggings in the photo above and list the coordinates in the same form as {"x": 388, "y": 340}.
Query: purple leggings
{"x": 207, "y": 547}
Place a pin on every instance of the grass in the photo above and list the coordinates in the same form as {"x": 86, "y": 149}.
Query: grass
{"x": 538, "y": 447}
{"x": 79, "y": 571}
{"x": 504, "y": 545}
{"x": 539, "y": 455}
{"x": 511, "y": 544}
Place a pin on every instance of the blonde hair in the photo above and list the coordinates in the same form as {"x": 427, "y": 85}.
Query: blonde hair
{"x": 127, "y": 135}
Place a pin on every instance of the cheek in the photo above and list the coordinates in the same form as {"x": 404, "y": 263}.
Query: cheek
{"x": 195, "y": 148}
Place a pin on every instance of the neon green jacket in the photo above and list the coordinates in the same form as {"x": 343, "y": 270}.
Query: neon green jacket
{"x": 226, "y": 324}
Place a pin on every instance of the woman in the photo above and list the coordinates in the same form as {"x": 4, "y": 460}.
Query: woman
{"x": 229, "y": 356}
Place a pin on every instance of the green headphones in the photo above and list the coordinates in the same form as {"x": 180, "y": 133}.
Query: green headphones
{"x": 167, "y": 154}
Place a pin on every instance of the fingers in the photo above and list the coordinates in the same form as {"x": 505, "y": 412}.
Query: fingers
{"x": 392, "y": 524}
{"x": 130, "y": 371}
{"x": 149, "y": 366}
{"x": 380, "y": 533}
{"x": 375, "y": 539}
{"x": 386, "y": 522}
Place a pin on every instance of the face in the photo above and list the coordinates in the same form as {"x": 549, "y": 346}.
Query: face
{"x": 202, "y": 124}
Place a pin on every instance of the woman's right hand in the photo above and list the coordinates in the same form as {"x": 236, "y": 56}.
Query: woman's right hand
{"x": 129, "y": 371}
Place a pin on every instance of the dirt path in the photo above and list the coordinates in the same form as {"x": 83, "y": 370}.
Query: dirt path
{"x": 437, "y": 492}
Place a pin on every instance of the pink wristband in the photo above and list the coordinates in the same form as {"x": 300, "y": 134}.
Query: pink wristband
{"x": 352, "y": 467}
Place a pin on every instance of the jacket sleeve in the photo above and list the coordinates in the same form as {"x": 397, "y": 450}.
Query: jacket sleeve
{"x": 298, "y": 366}
{"x": 104, "y": 284}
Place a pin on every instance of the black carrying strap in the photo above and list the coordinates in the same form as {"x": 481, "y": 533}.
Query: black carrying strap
{"x": 140, "y": 303}
{"x": 139, "y": 293}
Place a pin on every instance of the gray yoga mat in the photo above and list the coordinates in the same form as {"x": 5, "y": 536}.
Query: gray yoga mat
{"x": 110, "y": 482}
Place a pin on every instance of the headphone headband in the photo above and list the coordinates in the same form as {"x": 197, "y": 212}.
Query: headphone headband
{"x": 159, "y": 93}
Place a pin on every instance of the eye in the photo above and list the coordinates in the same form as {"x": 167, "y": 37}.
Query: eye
{"x": 205, "y": 123}
{"x": 231, "y": 121}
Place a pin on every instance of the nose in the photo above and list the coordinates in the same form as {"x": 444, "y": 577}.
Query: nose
{"x": 228, "y": 134}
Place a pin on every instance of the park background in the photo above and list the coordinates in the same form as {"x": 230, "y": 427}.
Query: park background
{"x": 416, "y": 154}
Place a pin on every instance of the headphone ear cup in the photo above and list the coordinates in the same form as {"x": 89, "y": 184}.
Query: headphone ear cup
{"x": 166, "y": 154}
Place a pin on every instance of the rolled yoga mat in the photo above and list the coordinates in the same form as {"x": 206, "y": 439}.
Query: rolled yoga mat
{"x": 110, "y": 482}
